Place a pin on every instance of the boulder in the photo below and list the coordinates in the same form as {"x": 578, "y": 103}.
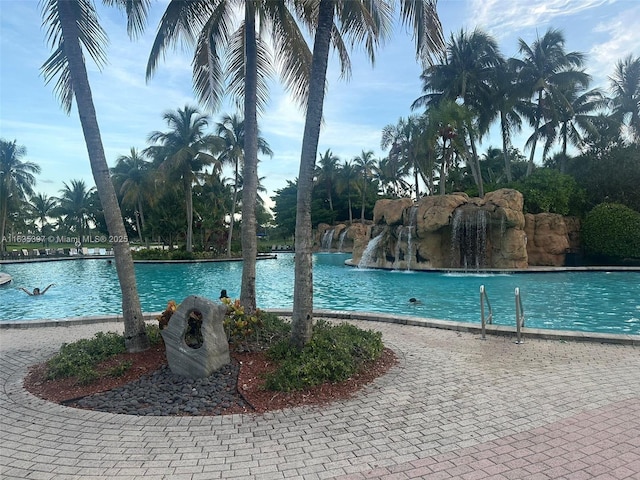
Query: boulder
{"x": 547, "y": 239}
{"x": 389, "y": 211}
{"x": 195, "y": 341}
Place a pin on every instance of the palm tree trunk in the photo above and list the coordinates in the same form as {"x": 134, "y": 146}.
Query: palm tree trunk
{"x": 302, "y": 318}
{"x": 250, "y": 186}
{"x": 535, "y": 133}
{"x": 364, "y": 187}
{"x": 233, "y": 212}
{"x": 475, "y": 162}
{"x": 188, "y": 196}
{"x": 505, "y": 146}
{"x": 134, "y": 327}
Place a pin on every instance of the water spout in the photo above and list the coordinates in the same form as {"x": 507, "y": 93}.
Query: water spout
{"x": 469, "y": 239}
{"x": 369, "y": 256}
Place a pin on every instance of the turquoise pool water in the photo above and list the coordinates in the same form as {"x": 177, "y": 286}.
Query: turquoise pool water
{"x": 589, "y": 301}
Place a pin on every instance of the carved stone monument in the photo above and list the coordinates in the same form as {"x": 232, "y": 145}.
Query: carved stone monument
{"x": 195, "y": 341}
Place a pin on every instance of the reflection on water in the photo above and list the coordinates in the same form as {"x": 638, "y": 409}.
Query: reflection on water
{"x": 591, "y": 301}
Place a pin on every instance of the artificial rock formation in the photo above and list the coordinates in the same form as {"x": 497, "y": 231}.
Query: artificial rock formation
{"x": 200, "y": 357}
{"x": 456, "y": 231}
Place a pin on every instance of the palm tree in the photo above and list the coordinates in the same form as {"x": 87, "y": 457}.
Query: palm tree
{"x": 625, "y": 85}
{"x": 327, "y": 173}
{"x": 72, "y": 24}
{"x": 572, "y": 119}
{"x": 16, "y": 180}
{"x": 42, "y": 207}
{"x": 183, "y": 152}
{"x": 132, "y": 176}
{"x": 365, "y": 164}
{"x": 465, "y": 76}
{"x": 368, "y": 23}
{"x": 508, "y": 100}
{"x": 74, "y": 205}
{"x": 346, "y": 183}
{"x": 405, "y": 140}
{"x": 231, "y": 132}
{"x": 544, "y": 69}
{"x": 239, "y": 60}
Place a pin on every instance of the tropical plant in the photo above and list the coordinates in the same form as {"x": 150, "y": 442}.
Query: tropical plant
{"x": 16, "y": 181}
{"x": 365, "y": 164}
{"x": 73, "y": 204}
{"x": 72, "y": 25}
{"x": 405, "y": 141}
{"x": 238, "y": 60}
{"x": 231, "y": 132}
{"x": 625, "y": 86}
{"x": 133, "y": 178}
{"x": 346, "y": 184}
{"x": 465, "y": 76}
{"x": 183, "y": 151}
{"x": 42, "y": 207}
{"x": 545, "y": 67}
{"x": 327, "y": 174}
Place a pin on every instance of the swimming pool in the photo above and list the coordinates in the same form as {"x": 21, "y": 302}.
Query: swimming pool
{"x": 605, "y": 302}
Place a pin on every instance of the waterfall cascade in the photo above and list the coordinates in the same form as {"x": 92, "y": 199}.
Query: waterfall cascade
{"x": 396, "y": 263}
{"x": 343, "y": 234}
{"x": 327, "y": 239}
{"x": 469, "y": 239}
{"x": 369, "y": 256}
{"x": 413, "y": 221}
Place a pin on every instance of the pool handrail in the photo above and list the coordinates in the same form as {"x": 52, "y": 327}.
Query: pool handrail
{"x": 484, "y": 298}
{"x": 519, "y": 317}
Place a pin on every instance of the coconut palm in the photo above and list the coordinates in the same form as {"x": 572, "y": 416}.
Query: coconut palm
{"x": 406, "y": 142}
{"x": 327, "y": 173}
{"x": 42, "y": 207}
{"x": 16, "y": 180}
{"x": 346, "y": 183}
{"x": 465, "y": 76}
{"x": 74, "y": 205}
{"x": 362, "y": 22}
{"x": 72, "y": 25}
{"x": 239, "y": 60}
{"x": 545, "y": 67}
{"x": 572, "y": 118}
{"x": 365, "y": 164}
{"x": 183, "y": 151}
{"x": 625, "y": 86}
{"x": 132, "y": 176}
{"x": 231, "y": 132}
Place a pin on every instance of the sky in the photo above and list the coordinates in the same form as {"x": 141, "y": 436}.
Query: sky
{"x": 129, "y": 107}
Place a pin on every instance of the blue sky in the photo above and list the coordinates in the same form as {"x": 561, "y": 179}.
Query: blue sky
{"x": 129, "y": 108}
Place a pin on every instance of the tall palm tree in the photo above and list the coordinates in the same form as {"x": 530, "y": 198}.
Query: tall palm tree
{"x": 508, "y": 100}
{"x": 406, "y": 142}
{"x": 72, "y": 25}
{"x": 346, "y": 183}
{"x": 625, "y": 86}
{"x": 132, "y": 177}
{"x": 74, "y": 205}
{"x": 16, "y": 180}
{"x": 572, "y": 119}
{"x": 365, "y": 22}
{"x": 327, "y": 173}
{"x": 545, "y": 67}
{"x": 465, "y": 76}
{"x": 183, "y": 152}
{"x": 231, "y": 132}
{"x": 240, "y": 61}
{"x": 42, "y": 207}
{"x": 365, "y": 164}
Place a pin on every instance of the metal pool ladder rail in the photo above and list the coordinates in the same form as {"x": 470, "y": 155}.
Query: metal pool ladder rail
{"x": 485, "y": 299}
{"x": 519, "y": 317}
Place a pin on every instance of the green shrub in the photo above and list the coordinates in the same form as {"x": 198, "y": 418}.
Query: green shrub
{"x": 153, "y": 332}
{"x": 77, "y": 359}
{"x": 549, "y": 191}
{"x": 182, "y": 255}
{"x": 334, "y": 353}
{"x": 612, "y": 230}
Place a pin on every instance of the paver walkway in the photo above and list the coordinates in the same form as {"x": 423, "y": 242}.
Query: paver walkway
{"x": 455, "y": 407}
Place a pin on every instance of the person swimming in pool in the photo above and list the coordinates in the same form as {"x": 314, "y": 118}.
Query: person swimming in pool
{"x": 36, "y": 291}
{"x": 414, "y": 301}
